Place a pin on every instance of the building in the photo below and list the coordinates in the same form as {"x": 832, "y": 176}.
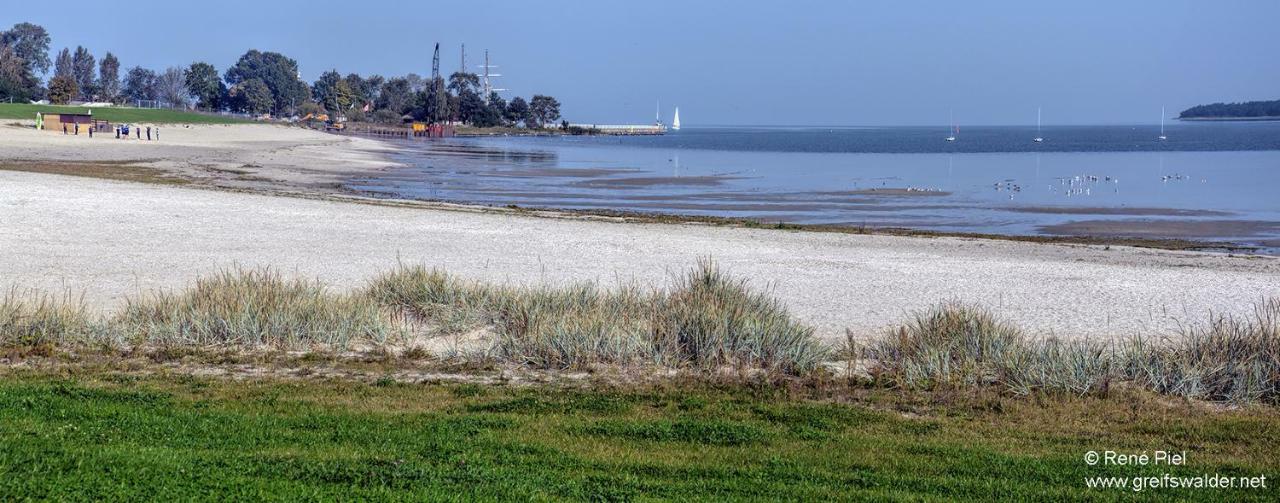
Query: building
{"x": 54, "y": 122}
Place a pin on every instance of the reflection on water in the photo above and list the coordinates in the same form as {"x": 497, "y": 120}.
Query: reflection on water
{"x": 1193, "y": 193}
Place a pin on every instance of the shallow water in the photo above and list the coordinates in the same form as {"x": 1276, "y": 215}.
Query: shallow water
{"x": 1217, "y": 181}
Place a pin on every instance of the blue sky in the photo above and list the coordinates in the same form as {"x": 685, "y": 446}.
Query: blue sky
{"x": 793, "y": 62}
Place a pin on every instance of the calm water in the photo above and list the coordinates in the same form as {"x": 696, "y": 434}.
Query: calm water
{"x": 1217, "y": 181}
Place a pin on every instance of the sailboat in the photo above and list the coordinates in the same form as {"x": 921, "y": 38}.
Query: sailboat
{"x": 675, "y": 121}
{"x": 1162, "y": 137}
{"x": 954, "y": 130}
{"x": 1038, "y": 138}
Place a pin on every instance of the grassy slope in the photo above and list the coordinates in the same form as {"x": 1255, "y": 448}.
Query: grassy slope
{"x": 121, "y": 114}
{"x": 121, "y": 438}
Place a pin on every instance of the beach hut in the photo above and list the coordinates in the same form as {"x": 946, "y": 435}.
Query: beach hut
{"x": 54, "y": 122}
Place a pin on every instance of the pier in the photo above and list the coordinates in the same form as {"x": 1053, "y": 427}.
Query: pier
{"x": 417, "y": 130}
{"x": 622, "y": 129}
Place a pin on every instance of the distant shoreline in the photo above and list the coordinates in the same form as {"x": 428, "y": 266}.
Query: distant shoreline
{"x": 1269, "y": 118}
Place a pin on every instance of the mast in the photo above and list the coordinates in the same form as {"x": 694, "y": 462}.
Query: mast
{"x": 1037, "y": 121}
{"x": 1161, "y": 121}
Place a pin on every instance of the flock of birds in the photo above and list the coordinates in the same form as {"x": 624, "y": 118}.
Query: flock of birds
{"x": 1083, "y": 185}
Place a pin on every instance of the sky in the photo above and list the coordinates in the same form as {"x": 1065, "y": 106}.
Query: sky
{"x": 792, "y": 62}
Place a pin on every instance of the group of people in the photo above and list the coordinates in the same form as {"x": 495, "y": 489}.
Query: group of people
{"x": 122, "y": 131}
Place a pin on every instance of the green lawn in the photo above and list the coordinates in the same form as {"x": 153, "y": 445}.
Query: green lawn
{"x": 118, "y": 114}
{"x": 116, "y": 437}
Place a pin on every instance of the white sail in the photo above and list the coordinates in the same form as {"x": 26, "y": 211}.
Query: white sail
{"x": 675, "y": 121}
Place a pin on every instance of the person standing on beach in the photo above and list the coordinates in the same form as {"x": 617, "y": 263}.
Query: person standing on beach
{"x": 138, "y": 130}
{"x": 117, "y": 132}
{"x": 148, "y": 133}
{"x": 157, "y": 133}
{"x": 91, "y": 128}
{"x": 64, "y": 128}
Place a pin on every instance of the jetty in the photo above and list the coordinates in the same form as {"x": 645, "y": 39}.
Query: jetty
{"x": 622, "y": 129}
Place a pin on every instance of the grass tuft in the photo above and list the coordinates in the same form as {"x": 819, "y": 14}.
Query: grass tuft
{"x": 959, "y": 346}
{"x": 707, "y": 320}
{"x": 1231, "y": 359}
{"x": 28, "y": 319}
{"x": 254, "y": 308}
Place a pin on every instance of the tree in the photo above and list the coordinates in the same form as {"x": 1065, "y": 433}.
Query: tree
{"x": 417, "y": 84}
{"x": 517, "y": 111}
{"x": 13, "y": 82}
{"x": 461, "y": 82}
{"x": 470, "y": 106}
{"x": 204, "y": 83}
{"x": 82, "y": 66}
{"x": 109, "y": 78}
{"x": 251, "y": 96}
{"x": 364, "y": 90}
{"x": 277, "y": 72}
{"x": 64, "y": 66}
{"x": 140, "y": 84}
{"x": 396, "y": 96}
{"x": 332, "y": 92}
{"x": 543, "y": 110}
{"x": 30, "y": 43}
{"x": 171, "y": 87}
{"x": 491, "y": 114}
{"x": 62, "y": 89}
{"x": 24, "y": 53}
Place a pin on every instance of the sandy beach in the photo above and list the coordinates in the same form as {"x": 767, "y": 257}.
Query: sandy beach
{"x": 109, "y": 240}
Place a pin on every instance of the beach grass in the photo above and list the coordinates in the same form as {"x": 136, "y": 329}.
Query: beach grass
{"x": 1232, "y": 359}
{"x": 118, "y": 114}
{"x": 254, "y": 308}
{"x": 117, "y": 437}
{"x": 705, "y": 320}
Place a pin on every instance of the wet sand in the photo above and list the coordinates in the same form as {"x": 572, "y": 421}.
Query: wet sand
{"x": 1163, "y": 212}
{"x": 1164, "y": 228}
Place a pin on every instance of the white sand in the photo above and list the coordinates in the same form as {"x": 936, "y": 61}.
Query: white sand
{"x": 225, "y": 154}
{"x": 110, "y": 240}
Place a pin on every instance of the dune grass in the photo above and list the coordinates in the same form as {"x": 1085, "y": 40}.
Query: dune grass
{"x": 115, "y": 437}
{"x": 1234, "y": 360}
{"x": 37, "y": 319}
{"x": 118, "y": 114}
{"x": 253, "y": 309}
{"x": 1231, "y": 359}
{"x": 706, "y": 320}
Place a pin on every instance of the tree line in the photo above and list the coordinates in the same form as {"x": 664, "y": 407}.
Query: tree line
{"x": 1246, "y": 109}
{"x": 258, "y": 83}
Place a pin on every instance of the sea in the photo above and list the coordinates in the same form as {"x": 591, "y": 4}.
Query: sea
{"x": 1216, "y": 182}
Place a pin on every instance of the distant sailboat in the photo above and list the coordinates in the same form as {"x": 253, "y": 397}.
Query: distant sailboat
{"x": 1038, "y": 138}
{"x": 955, "y": 131}
{"x": 675, "y": 121}
{"x": 1162, "y": 137}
